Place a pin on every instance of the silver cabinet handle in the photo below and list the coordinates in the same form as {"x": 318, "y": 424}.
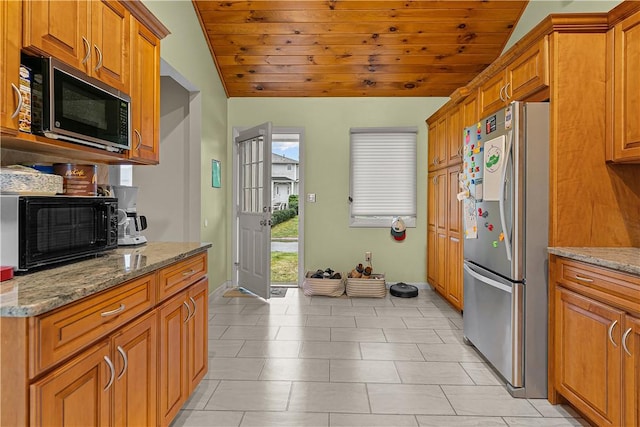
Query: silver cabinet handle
{"x": 613, "y": 325}
{"x": 15, "y": 113}
{"x": 99, "y": 64}
{"x": 113, "y": 372}
{"x": 506, "y": 91}
{"x": 125, "y": 361}
{"x": 188, "y": 272}
{"x": 500, "y": 94}
{"x": 87, "y": 48}
{"x": 624, "y": 341}
{"x": 188, "y": 312}
{"x": 112, "y": 312}
{"x": 195, "y": 307}
{"x": 139, "y": 139}
{"x": 584, "y": 279}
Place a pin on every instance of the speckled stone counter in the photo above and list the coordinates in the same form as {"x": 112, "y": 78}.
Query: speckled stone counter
{"x": 36, "y": 293}
{"x": 622, "y": 259}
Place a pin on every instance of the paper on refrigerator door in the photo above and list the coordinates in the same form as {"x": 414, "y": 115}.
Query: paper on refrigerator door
{"x": 493, "y": 164}
{"x": 470, "y": 219}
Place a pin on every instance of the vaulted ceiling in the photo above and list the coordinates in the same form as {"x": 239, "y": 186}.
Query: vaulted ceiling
{"x": 357, "y": 48}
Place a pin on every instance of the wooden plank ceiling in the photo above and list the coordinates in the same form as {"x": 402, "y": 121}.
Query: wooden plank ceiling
{"x": 333, "y": 48}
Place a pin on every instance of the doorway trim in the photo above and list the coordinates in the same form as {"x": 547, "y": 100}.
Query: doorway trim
{"x": 235, "y": 200}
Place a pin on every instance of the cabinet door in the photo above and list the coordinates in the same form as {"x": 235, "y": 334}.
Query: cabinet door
{"x": 172, "y": 379}
{"x": 626, "y": 91}
{"x": 10, "y": 30}
{"x": 432, "y": 257}
{"x": 454, "y": 272}
{"x": 145, "y": 95}
{"x": 110, "y": 41}
{"x": 454, "y": 214}
{"x": 469, "y": 110}
{"x": 440, "y": 192}
{"x": 441, "y": 262}
{"x": 588, "y": 358}
{"x": 431, "y": 143}
{"x": 442, "y": 136}
{"x": 431, "y": 200}
{"x": 135, "y": 357}
{"x": 59, "y": 29}
{"x": 76, "y": 394}
{"x": 454, "y": 140}
{"x": 198, "y": 333}
{"x": 632, "y": 371}
{"x": 529, "y": 72}
{"x": 491, "y": 94}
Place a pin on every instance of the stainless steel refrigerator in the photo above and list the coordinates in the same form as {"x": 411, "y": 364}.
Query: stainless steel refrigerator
{"x": 504, "y": 189}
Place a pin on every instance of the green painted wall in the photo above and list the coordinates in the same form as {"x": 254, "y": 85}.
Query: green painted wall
{"x": 329, "y": 241}
{"x": 185, "y": 50}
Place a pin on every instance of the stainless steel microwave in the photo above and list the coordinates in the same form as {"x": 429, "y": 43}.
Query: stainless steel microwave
{"x": 67, "y": 104}
{"x": 38, "y": 231}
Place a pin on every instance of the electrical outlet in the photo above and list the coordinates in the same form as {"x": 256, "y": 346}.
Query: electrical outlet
{"x": 367, "y": 256}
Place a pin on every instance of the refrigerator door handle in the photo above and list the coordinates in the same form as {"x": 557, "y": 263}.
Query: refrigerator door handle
{"x": 503, "y": 220}
{"x": 488, "y": 281}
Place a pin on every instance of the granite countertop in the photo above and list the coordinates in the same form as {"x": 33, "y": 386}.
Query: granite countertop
{"x": 626, "y": 260}
{"x": 42, "y": 291}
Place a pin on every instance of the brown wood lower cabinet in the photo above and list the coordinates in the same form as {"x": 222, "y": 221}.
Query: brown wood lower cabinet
{"x": 595, "y": 342}
{"x": 128, "y": 356}
{"x": 183, "y": 348}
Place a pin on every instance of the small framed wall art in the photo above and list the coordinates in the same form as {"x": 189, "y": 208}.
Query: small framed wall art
{"x": 215, "y": 173}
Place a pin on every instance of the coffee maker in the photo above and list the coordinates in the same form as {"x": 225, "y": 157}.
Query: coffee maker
{"x": 130, "y": 224}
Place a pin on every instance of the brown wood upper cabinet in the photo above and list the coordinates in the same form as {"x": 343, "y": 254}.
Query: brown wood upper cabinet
{"x": 525, "y": 75}
{"x": 623, "y": 91}
{"x": 92, "y": 36}
{"x": 10, "y": 13}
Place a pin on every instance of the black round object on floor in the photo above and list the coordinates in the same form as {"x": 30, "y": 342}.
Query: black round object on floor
{"x": 403, "y": 290}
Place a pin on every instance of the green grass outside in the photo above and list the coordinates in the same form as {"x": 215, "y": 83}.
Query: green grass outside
{"x": 284, "y": 267}
{"x": 285, "y": 229}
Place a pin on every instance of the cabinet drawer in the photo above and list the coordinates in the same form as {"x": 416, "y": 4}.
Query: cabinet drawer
{"x": 63, "y": 332}
{"x": 618, "y": 289}
{"x": 181, "y": 274}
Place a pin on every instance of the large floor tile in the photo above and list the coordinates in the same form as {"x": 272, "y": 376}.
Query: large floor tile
{"x": 296, "y": 370}
{"x": 234, "y": 319}
{"x": 459, "y": 421}
{"x": 487, "y": 400}
{"x": 234, "y": 368}
{"x": 201, "y": 395}
{"x": 321, "y": 300}
{"x": 250, "y": 396}
{"x": 363, "y": 371}
{"x": 380, "y": 322}
{"x": 408, "y": 399}
{"x": 398, "y": 312}
{"x": 432, "y": 373}
{"x": 372, "y": 420}
{"x": 190, "y": 418}
{"x": 450, "y": 336}
{"x": 548, "y": 410}
{"x": 390, "y": 351}
{"x": 449, "y": 353}
{"x": 270, "y": 349}
{"x": 338, "y": 310}
{"x": 215, "y": 332}
{"x": 432, "y": 312}
{"x": 224, "y": 348}
{"x": 225, "y": 308}
{"x": 413, "y": 302}
{"x": 331, "y": 321}
{"x": 282, "y": 320}
{"x": 328, "y": 397}
{"x": 426, "y": 336}
{"x": 544, "y": 422}
{"x": 288, "y": 333}
{"x": 316, "y": 310}
{"x": 429, "y": 323}
{"x": 481, "y": 373}
{"x": 371, "y": 302}
{"x": 250, "y": 333}
{"x": 264, "y": 309}
{"x": 285, "y": 419}
{"x": 357, "y": 334}
{"x": 330, "y": 350}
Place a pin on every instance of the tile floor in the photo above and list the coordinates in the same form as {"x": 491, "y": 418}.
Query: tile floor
{"x": 320, "y": 361}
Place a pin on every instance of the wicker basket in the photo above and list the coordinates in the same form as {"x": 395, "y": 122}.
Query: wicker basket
{"x": 325, "y": 287}
{"x": 374, "y": 287}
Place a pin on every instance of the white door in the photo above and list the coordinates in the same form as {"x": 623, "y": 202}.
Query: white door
{"x": 254, "y": 209}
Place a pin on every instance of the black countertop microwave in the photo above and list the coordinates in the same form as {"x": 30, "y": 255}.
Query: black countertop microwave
{"x": 39, "y": 231}
{"x": 66, "y": 104}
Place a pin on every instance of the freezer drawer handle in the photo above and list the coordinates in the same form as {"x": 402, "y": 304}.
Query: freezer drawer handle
{"x": 488, "y": 281}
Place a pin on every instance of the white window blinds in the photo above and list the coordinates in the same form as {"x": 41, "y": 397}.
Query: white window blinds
{"x": 383, "y": 176}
